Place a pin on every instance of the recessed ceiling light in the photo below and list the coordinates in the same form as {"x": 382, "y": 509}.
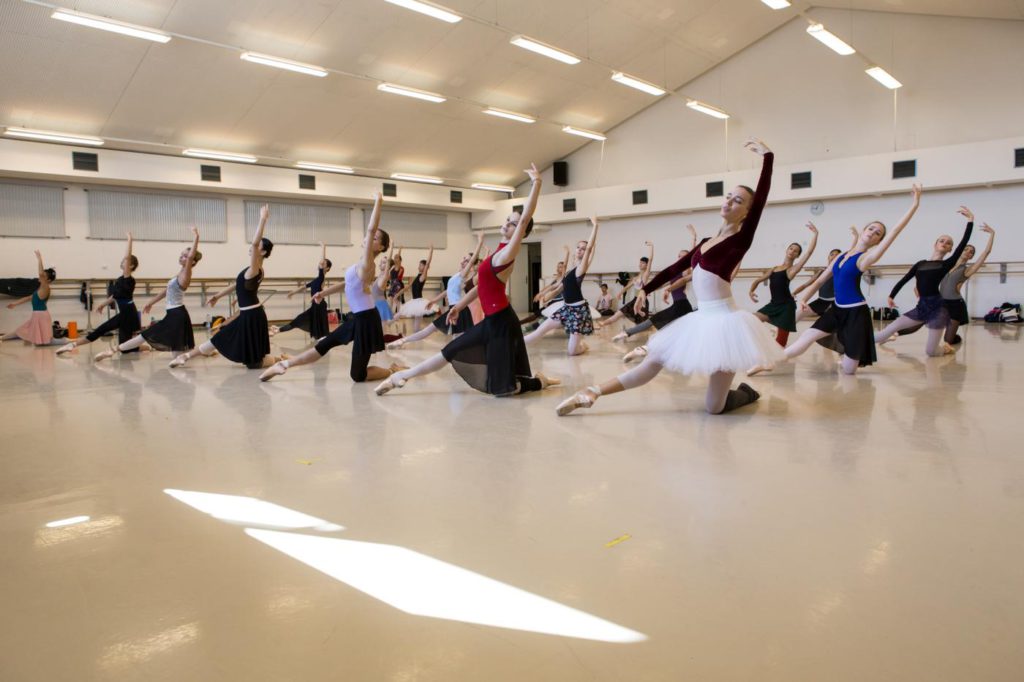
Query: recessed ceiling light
{"x": 818, "y": 32}
{"x": 511, "y": 115}
{"x": 326, "y": 168}
{"x": 544, "y": 49}
{"x": 637, "y": 84}
{"x": 883, "y": 77}
{"x": 411, "y": 92}
{"x": 493, "y": 188}
{"x": 429, "y": 179}
{"x": 428, "y": 9}
{"x": 584, "y": 133}
{"x": 51, "y": 136}
{"x": 219, "y": 156}
{"x": 706, "y": 109}
{"x": 105, "y": 24}
{"x": 286, "y": 64}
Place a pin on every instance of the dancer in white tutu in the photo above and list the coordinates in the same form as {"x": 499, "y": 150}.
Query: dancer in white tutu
{"x": 574, "y": 314}
{"x": 718, "y": 339}
{"x": 846, "y": 327}
{"x": 418, "y": 307}
{"x": 453, "y": 292}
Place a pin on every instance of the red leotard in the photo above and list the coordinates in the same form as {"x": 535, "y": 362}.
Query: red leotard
{"x": 491, "y": 289}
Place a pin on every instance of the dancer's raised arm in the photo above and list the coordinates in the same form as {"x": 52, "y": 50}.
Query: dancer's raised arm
{"x": 964, "y": 240}
{"x": 588, "y": 254}
{"x": 126, "y": 264}
{"x": 256, "y": 250}
{"x": 802, "y": 261}
{"x": 871, "y": 257}
{"x": 464, "y": 273}
{"x": 185, "y": 276}
{"x": 366, "y": 264}
{"x": 757, "y": 282}
{"x": 971, "y": 271}
{"x": 508, "y": 254}
{"x": 44, "y": 278}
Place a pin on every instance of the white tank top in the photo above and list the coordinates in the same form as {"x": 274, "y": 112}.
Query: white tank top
{"x": 358, "y": 298}
{"x": 175, "y": 294}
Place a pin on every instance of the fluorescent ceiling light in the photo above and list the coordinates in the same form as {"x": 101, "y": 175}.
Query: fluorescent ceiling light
{"x": 67, "y": 522}
{"x": 219, "y": 156}
{"x": 546, "y": 50}
{"x": 429, "y": 10}
{"x": 411, "y": 92}
{"x": 326, "y": 168}
{"x": 249, "y": 511}
{"x": 424, "y": 586}
{"x": 883, "y": 77}
{"x": 833, "y": 42}
{"x": 706, "y": 109}
{"x": 50, "y": 136}
{"x": 776, "y": 4}
{"x": 493, "y": 188}
{"x": 286, "y": 64}
{"x": 104, "y": 24}
{"x": 511, "y": 115}
{"x": 430, "y": 179}
{"x": 637, "y": 84}
{"x": 584, "y": 133}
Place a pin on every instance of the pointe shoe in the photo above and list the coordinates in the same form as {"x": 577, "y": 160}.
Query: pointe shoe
{"x": 66, "y": 348}
{"x": 757, "y": 369}
{"x": 576, "y": 401}
{"x": 273, "y": 330}
{"x": 276, "y": 369}
{"x": 178, "y": 361}
{"x": 546, "y": 381}
{"x": 395, "y": 345}
{"x": 621, "y": 336}
{"x": 103, "y": 355}
{"x": 637, "y": 353}
{"x": 390, "y": 383}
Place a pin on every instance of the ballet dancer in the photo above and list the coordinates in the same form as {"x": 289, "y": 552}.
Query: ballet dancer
{"x": 126, "y": 321}
{"x": 928, "y": 274}
{"x": 38, "y": 329}
{"x": 418, "y": 307}
{"x": 174, "y": 332}
{"x": 950, "y": 286}
{"x": 628, "y": 309}
{"x": 246, "y": 338}
{"x": 674, "y": 293}
{"x": 312, "y": 320}
{"x": 604, "y": 303}
{"x": 491, "y": 356}
{"x": 395, "y": 283}
{"x": 574, "y": 314}
{"x": 780, "y": 312}
{"x": 846, "y": 326}
{"x": 363, "y": 329}
{"x": 717, "y": 339}
{"x": 453, "y": 292}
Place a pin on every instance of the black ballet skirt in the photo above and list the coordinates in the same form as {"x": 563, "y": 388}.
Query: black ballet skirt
{"x": 820, "y": 305}
{"x": 957, "y": 310}
{"x": 491, "y": 356}
{"x": 850, "y": 333}
{"x": 173, "y": 333}
{"x": 781, "y": 310}
{"x": 312, "y": 320}
{"x": 246, "y": 339}
{"x": 671, "y": 313}
{"x": 126, "y": 321}
{"x": 363, "y": 330}
{"x": 461, "y": 325}
{"x": 628, "y": 310}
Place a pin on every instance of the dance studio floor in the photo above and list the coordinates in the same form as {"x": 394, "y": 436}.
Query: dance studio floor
{"x": 865, "y": 528}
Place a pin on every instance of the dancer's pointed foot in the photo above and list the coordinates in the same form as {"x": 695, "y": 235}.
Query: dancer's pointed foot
{"x": 273, "y": 330}
{"x": 178, "y": 361}
{"x": 638, "y": 353}
{"x": 621, "y": 336}
{"x": 103, "y": 355}
{"x": 395, "y": 345}
{"x": 66, "y": 348}
{"x": 757, "y": 369}
{"x": 276, "y": 369}
{"x": 546, "y": 381}
{"x": 388, "y": 384}
{"x": 585, "y": 399}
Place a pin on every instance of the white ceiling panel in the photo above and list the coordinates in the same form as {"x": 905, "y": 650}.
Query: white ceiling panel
{"x": 187, "y": 93}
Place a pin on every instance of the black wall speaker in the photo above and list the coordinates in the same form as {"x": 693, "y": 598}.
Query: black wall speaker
{"x": 560, "y": 171}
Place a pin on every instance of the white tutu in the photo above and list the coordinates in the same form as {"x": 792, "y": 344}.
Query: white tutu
{"x": 417, "y": 307}
{"x": 718, "y": 337}
{"x": 553, "y": 308}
